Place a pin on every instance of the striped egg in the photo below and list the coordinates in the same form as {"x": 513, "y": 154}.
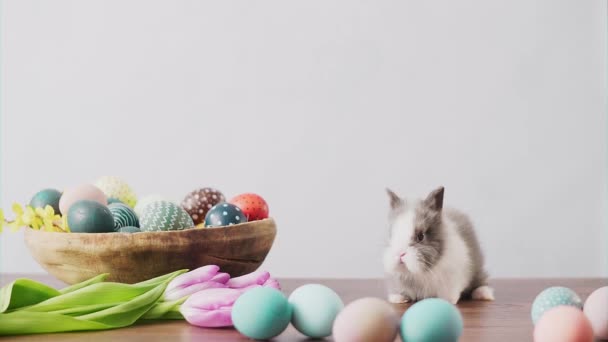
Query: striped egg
{"x": 123, "y": 216}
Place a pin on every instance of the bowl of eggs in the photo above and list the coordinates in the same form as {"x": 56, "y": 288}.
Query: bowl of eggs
{"x": 108, "y": 230}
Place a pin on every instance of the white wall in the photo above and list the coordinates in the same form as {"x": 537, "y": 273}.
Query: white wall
{"x": 318, "y": 105}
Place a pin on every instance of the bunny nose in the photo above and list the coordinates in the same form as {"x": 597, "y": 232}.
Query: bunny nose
{"x": 402, "y": 255}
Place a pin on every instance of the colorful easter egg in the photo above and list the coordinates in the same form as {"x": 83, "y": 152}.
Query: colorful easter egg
{"x": 430, "y": 320}
{"x": 129, "y": 230}
{"x": 596, "y": 310}
{"x": 198, "y": 202}
{"x": 144, "y": 201}
{"x": 315, "y": 308}
{"x": 563, "y": 323}
{"x": 113, "y": 200}
{"x": 261, "y": 313}
{"x": 46, "y": 197}
{"x": 123, "y": 216}
{"x": 224, "y": 214}
{"x": 86, "y": 216}
{"x": 364, "y": 320}
{"x": 552, "y": 297}
{"x": 81, "y": 192}
{"x": 117, "y": 188}
{"x": 253, "y": 206}
{"x": 164, "y": 215}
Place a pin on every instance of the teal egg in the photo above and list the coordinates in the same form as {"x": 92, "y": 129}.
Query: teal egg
{"x": 431, "y": 320}
{"x": 46, "y": 197}
{"x": 123, "y": 216}
{"x": 552, "y": 297}
{"x": 129, "y": 230}
{"x": 261, "y": 313}
{"x": 164, "y": 215}
{"x": 113, "y": 200}
{"x": 87, "y": 216}
{"x": 315, "y": 308}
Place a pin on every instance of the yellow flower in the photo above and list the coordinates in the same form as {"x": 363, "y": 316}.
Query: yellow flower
{"x": 48, "y": 217}
{"x": 2, "y": 221}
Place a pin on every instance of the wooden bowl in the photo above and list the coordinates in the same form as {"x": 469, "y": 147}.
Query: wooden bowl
{"x": 130, "y": 258}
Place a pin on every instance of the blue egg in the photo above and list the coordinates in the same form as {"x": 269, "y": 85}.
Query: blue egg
{"x": 552, "y": 297}
{"x": 47, "y": 197}
{"x": 224, "y": 214}
{"x": 261, "y": 313}
{"x": 431, "y": 320}
{"x": 315, "y": 308}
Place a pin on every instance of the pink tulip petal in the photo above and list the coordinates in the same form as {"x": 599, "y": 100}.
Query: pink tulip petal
{"x": 221, "y": 278}
{"x": 211, "y": 299}
{"x": 181, "y": 292}
{"x": 253, "y": 278}
{"x": 198, "y": 275}
{"x": 272, "y": 283}
{"x": 208, "y": 318}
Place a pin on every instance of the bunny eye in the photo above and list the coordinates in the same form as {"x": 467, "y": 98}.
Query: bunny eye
{"x": 419, "y": 237}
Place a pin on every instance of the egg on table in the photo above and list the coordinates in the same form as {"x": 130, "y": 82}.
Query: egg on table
{"x": 115, "y": 187}
{"x": 315, "y": 308}
{"x": 261, "y": 313}
{"x": 563, "y": 323}
{"x": 430, "y": 320}
{"x": 46, "y": 197}
{"x": 224, "y": 214}
{"x": 552, "y": 297}
{"x": 123, "y": 215}
{"x": 198, "y": 202}
{"x": 596, "y": 310}
{"x": 86, "y": 216}
{"x": 81, "y": 192}
{"x": 364, "y": 320}
{"x": 253, "y": 206}
{"x": 164, "y": 215}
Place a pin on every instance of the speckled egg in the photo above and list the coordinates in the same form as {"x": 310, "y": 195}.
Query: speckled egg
{"x": 315, "y": 308}
{"x": 596, "y": 310}
{"x": 81, "y": 192}
{"x": 552, "y": 297}
{"x": 143, "y": 202}
{"x": 164, "y": 215}
{"x": 261, "y": 313}
{"x": 198, "y": 202}
{"x": 431, "y": 320}
{"x": 117, "y": 188}
{"x": 87, "y": 216}
{"x": 46, "y": 197}
{"x": 123, "y": 215}
{"x": 563, "y": 323}
{"x": 253, "y": 206}
{"x": 129, "y": 230}
{"x": 365, "y": 320}
{"x": 224, "y": 214}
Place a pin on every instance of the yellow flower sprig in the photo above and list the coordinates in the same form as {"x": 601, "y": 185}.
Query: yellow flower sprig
{"x": 39, "y": 218}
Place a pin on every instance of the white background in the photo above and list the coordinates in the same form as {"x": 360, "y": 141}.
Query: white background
{"x": 317, "y": 106}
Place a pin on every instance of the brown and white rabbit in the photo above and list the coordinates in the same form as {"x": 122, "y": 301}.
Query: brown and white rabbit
{"x": 432, "y": 252}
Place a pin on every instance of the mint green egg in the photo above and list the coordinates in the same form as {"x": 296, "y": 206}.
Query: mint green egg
{"x": 315, "y": 308}
{"x": 431, "y": 320}
{"x": 261, "y": 313}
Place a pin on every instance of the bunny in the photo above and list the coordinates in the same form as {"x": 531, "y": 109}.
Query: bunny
{"x": 432, "y": 252}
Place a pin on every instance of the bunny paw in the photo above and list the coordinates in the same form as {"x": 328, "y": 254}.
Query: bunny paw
{"x": 396, "y": 298}
{"x": 483, "y": 293}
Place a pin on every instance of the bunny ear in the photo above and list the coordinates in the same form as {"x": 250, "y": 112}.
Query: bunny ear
{"x": 435, "y": 199}
{"x": 395, "y": 200}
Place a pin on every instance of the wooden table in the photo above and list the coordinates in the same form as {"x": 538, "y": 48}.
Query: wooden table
{"x": 507, "y": 319}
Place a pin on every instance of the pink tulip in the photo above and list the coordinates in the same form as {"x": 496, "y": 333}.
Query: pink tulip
{"x": 253, "y": 278}
{"x": 193, "y": 281}
{"x": 210, "y": 308}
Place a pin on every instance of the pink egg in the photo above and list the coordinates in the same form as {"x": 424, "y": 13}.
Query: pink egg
{"x": 81, "y": 192}
{"x": 366, "y": 319}
{"x": 596, "y": 310}
{"x": 563, "y": 324}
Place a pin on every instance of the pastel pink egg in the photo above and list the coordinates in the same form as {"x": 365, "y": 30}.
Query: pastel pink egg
{"x": 563, "y": 324}
{"x": 596, "y": 310}
{"x": 81, "y": 192}
{"x": 366, "y": 319}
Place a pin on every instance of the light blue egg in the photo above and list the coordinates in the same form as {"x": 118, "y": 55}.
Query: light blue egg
{"x": 431, "y": 320}
{"x": 261, "y": 313}
{"x": 552, "y": 297}
{"x": 315, "y": 308}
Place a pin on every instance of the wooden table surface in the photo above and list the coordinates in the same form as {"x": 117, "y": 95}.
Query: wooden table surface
{"x": 506, "y": 319}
